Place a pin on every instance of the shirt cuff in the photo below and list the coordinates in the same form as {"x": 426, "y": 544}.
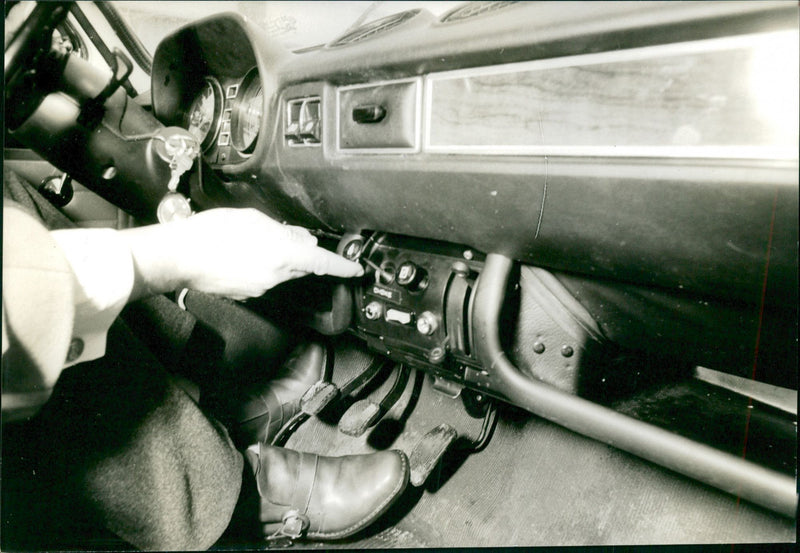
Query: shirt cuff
{"x": 103, "y": 270}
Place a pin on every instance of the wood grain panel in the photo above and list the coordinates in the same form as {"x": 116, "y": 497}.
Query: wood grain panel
{"x": 722, "y": 97}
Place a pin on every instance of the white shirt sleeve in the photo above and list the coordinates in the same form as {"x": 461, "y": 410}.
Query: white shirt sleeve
{"x": 103, "y": 270}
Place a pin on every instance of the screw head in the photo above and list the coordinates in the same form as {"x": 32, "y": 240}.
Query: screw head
{"x": 538, "y": 347}
{"x": 567, "y": 351}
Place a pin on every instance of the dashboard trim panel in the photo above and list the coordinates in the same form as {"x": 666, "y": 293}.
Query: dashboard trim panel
{"x": 504, "y": 93}
{"x": 416, "y": 148}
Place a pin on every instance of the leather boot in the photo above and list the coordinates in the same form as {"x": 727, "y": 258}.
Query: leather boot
{"x": 326, "y": 498}
{"x": 268, "y": 405}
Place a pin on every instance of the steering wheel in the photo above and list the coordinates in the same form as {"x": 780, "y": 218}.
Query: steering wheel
{"x": 25, "y": 51}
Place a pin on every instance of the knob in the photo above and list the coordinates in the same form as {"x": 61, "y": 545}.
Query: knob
{"x": 352, "y": 250}
{"x": 412, "y": 276}
{"x": 406, "y": 274}
{"x": 373, "y": 311}
{"x": 427, "y": 323}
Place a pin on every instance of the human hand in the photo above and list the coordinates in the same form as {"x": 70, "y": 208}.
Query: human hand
{"x": 238, "y": 253}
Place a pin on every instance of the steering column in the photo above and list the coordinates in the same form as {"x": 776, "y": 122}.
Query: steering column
{"x": 78, "y": 117}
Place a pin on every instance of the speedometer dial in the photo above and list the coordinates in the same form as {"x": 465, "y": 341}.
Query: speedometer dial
{"x": 247, "y": 115}
{"x": 202, "y": 119}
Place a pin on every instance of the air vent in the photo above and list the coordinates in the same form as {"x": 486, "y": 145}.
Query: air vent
{"x": 371, "y": 29}
{"x": 303, "y": 123}
{"x": 474, "y": 9}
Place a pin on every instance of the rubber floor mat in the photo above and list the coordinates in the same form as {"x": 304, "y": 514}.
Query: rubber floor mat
{"x": 536, "y": 484}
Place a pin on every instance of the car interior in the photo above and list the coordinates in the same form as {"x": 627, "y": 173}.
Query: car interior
{"x": 578, "y": 223}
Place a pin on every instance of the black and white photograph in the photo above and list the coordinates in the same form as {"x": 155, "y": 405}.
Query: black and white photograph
{"x": 411, "y": 275}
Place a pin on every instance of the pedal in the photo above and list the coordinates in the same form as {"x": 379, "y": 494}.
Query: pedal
{"x": 360, "y": 416}
{"x": 324, "y": 392}
{"x": 366, "y": 413}
{"x": 317, "y": 397}
{"x": 364, "y": 377}
{"x": 429, "y": 451}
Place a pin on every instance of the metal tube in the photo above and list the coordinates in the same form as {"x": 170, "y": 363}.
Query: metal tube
{"x": 726, "y": 472}
{"x": 127, "y": 35}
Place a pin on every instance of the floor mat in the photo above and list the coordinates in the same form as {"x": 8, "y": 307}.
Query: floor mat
{"x": 536, "y": 484}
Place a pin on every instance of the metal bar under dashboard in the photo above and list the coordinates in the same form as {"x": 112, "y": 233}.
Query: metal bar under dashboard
{"x": 726, "y": 472}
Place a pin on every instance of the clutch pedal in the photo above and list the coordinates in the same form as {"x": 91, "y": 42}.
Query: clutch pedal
{"x": 366, "y": 413}
{"x": 323, "y": 393}
{"x": 317, "y": 397}
{"x": 429, "y": 451}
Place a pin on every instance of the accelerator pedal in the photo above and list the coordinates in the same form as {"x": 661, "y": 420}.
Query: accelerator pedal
{"x": 429, "y": 451}
{"x": 366, "y": 413}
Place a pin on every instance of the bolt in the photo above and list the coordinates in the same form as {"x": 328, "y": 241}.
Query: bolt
{"x": 436, "y": 355}
{"x": 460, "y": 268}
{"x": 566, "y": 351}
{"x": 538, "y": 347}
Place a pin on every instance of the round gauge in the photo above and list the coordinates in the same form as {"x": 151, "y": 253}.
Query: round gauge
{"x": 202, "y": 119}
{"x": 246, "y": 120}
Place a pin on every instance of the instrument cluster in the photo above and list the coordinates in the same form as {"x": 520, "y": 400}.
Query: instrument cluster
{"x": 225, "y": 116}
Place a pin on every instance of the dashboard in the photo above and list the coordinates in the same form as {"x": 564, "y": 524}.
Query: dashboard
{"x": 373, "y": 135}
{"x": 557, "y": 208}
{"x": 620, "y": 147}
{"x": 226, "y": 119}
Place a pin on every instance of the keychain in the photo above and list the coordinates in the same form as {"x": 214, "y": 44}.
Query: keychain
{"x": 179, "y": 150}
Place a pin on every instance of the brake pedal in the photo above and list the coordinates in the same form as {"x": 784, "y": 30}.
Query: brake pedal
{"x": 360, "y": 416}
{"x": 366, "y": 413}
{"x": 322, "y": 394}
{"x": 429, "y": 451}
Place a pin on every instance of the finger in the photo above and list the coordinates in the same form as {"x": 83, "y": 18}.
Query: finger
{"x": 301, "y": 235}
{"x": 323, "y": 262}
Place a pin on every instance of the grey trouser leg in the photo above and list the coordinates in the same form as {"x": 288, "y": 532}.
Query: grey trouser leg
{"x": 120, "y": 446}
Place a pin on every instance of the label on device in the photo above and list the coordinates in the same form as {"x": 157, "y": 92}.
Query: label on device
{"x": 386, "y": 293}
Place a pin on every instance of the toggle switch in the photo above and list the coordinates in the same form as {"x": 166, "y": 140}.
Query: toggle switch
{"x": 398, "y": 316}
{"x": 386, "y": 274}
